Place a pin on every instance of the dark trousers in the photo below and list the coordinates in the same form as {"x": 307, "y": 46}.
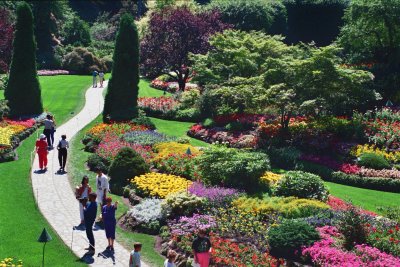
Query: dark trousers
{"x": 48, "y": 133}
{"x": 89, "y": 233}
{"x": 62, "y": 157}
{"x": 52, "y": 136}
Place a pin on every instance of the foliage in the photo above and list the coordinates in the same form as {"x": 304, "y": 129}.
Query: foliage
{"x": 181, "y": 204}
{"x": 385, "y": 238}
{"x": 147, "y": 210}
{"x": 352, "y": 226}
{"x": 76, "y": 32}
{"x": 289, "y": 236}
{"x": 146, "y": 138}
{"x": 142, "y": 119}
{"x": 121, "y": 99}
{"x": 178, "y": 164}
{"x": 23, "y": 95}
{"x": 314, "y": 21}
{"x": 289, "y": 207}
{"x": 392, "y": 156}
{"x": 81, "y": 61}
{"x": 159, "y": 185}
{"x": 301, "y": 184}
{"x": 231, "y": 167}
{"x": 126, "y": 164}
{"x": 285, "y": 157}
{"x": 182, "y": 39}
{"x": 4, "y": 109}
{"x": 374, "y": 161}
{"x": 371, "y": 41}
{"x": 6, "y": 33}
{"x": 392, "y": 213}
{"x": 163, "y": 150}
{"x": 95, "y": 162}
{"x": 268, "y": 16}
{"x": 270, "y": 179}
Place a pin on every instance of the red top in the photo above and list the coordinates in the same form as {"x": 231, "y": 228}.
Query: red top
{"x": 41, "y": 146}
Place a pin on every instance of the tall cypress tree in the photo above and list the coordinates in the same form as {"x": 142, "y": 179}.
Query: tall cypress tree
{"x": 23, "y": 88}
{"x": 121, "y": 99}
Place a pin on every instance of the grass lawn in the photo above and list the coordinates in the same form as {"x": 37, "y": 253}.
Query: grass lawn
{"x": 1, "y": 94}
{"x": 77, "y": 169}
{"x": 365, "y": 198}
{"x": 146, "y": 91}
{"x": 176, "y": 128}
{"x": 21, "y": 222}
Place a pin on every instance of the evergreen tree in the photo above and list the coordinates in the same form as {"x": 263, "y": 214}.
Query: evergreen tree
{"x": 23, "y": 88}
{"x": 121, "y": 99}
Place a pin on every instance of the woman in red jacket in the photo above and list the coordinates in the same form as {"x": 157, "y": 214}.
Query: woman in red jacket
{"x": 41, "y": 149}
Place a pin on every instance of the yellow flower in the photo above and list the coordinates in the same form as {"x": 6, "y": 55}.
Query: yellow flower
{"x": 270, "y": 178}
{"x": 360, "y": 149}
{"x": 165, "y": 149}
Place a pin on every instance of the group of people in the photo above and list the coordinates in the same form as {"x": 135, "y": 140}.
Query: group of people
{"x": 46, "y": 142}
{"x": 95, "y": 73}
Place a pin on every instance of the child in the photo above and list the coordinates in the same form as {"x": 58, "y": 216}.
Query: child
{"x": 134, "y": 260}
{"x": 62, "y": 147}
{"x": 171, "y": 256}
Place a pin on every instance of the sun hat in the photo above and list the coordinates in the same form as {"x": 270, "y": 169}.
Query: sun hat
{"x": 42, "y": 136}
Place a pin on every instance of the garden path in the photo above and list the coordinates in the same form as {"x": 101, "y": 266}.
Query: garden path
{"x": 56, "y": 199}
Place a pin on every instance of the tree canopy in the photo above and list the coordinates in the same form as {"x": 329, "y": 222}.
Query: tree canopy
{"x": 6, "y": 33}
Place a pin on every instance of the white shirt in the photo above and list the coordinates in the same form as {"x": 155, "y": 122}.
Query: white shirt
{"x": 169, "y": 264}
{"x": 48, "y": 124}
{"x": 63, "y": 144}
{"x": 85, "y": 193}
{"x": 102, "y": 183}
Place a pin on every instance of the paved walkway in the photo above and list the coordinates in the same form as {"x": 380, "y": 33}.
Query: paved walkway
{"x": 56, "y": 199}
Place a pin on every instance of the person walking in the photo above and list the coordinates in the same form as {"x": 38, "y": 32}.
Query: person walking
{"x": 82, "y": 195}
{"x": 201, "y": 249}
{"x": 95, "y": 74}
{"x": 134, "y": 260}
{"x": 89, "y": 214}
{"x": 41, "y": 150}
{"x": 102, "y": 187}
{"x": 49, "y": 127}
{"x": 62, "y": 148}
{"x": 53, "y": 130}
{"x": 108, "y": 215}
{"x": 101, "y": 78}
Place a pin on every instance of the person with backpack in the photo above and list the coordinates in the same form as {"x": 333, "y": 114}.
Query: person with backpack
{"x": 62, "y": 148}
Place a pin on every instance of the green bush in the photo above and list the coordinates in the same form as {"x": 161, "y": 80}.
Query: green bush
{"x": 142, "y": 119}
{"x": 220, "y": 165}
{"x": 352, "y": 226}
{"x": 81, "y": 61}
{"x": 181, "y": 204}
{"x": 126, "y": 165}
{"x": 95, "y": 162}
{"x": 373, "y": 161}
{"x": 4, "y": 109}
{"x": 285, "y": 157}
{"x": 76, "y": 32}
{"x": 234, "y": 126}
{"x": 321, "y": 170}
{"x": 290, "y": 236}
{"x": 190, "y": 114}
{"x": 208, "y": 123}
{"x": 302, "y": 185}
{"x": 189, "y": 98}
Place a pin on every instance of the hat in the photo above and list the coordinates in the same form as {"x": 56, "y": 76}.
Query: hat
{"x": 42, "y": 136}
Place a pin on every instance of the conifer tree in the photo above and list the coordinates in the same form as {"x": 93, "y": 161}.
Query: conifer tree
{"x": 121, "y": 99}
{"x": 23, "y": 88}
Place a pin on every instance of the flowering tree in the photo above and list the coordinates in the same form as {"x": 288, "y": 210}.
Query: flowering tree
{"x": 173, "y": 34}
{"x": 6, "y": 33}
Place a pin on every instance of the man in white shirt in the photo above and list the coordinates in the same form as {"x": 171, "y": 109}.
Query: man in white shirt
{"x": 102, "y": 187}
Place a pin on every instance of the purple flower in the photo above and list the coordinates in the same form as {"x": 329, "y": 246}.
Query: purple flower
{"x": 214, "y": 194}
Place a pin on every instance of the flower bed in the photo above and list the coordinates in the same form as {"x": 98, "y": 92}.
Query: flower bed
{"x": 170, "y": 86}
{"x": 53, "y": 72}
{"x": 12, "y": 132}
{"x": 157, "y": 106}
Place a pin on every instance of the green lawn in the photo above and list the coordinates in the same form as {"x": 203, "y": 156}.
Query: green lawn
{"x": 77, "y": 169}
{"x": 21, "y": 222}
{"x": 1, "y": 94}
{"x": 146, "y": 91}
{"x": 365, "y": 198}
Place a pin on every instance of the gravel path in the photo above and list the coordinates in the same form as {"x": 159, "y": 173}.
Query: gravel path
{"x": 56, "y": 199}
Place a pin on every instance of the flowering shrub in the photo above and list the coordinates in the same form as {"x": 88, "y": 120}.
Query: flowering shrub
{"x": 393, "y": 173}
{"x": 8, "y": 262}
{"x": 328, "y": 252}
{"x": 189, "y": 225}
{"x": 165, "y": 149}
{"x": 159, "y": 185}
{"x": 350, "y": 168}
{"x": 289, "y": 207}
{"x": 214, "y": 195}
{"x": 385, "y": 238}
{"x": 178, "y": 164}
{"x": 393, "y": 156}
{"x": 270, "y": 178}
{"x": 146, "y": 138}
{"x": 159, "y": 84}
{"x": 146, "y": 211}
{"x": 225, "y": 252}
{"x": 181, "y": 204}
{"x": 52, "y": 72}
{"x": 108, "y": 149}
{"x": 163, "y": 104}
{"x": 116, "y": 129}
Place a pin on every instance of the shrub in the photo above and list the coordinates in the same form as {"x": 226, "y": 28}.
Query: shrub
{"x": 147, "y": 216}
{"x": 289, "y": 207}
{"x": 232, "y": 167}
{"x": 181, "y": 204}
{"x": 126, "y": 164}
{"x": 4, "y": 109}
{"x": 285, "y": 157}
{"x": 81, "y": 61}
{"x": 269, "y": 179}
{"x": 146, "y": 138}
{"x": 76, "y": 32}
{"x": 178, "y": 164}
{"x": 190, "y": 114}
{"x": 286, "y": 238}
{"x": 373, "y": 161}
{"x": 208, "y": 123}
{"x": 142, "y": 119}
{"x": 352, "y": 226}
{"x": 189, "y": 98}
{"x": 96, "y": 162}
{"x": 159, "y": 185}
{"x": 302, "y": 185}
